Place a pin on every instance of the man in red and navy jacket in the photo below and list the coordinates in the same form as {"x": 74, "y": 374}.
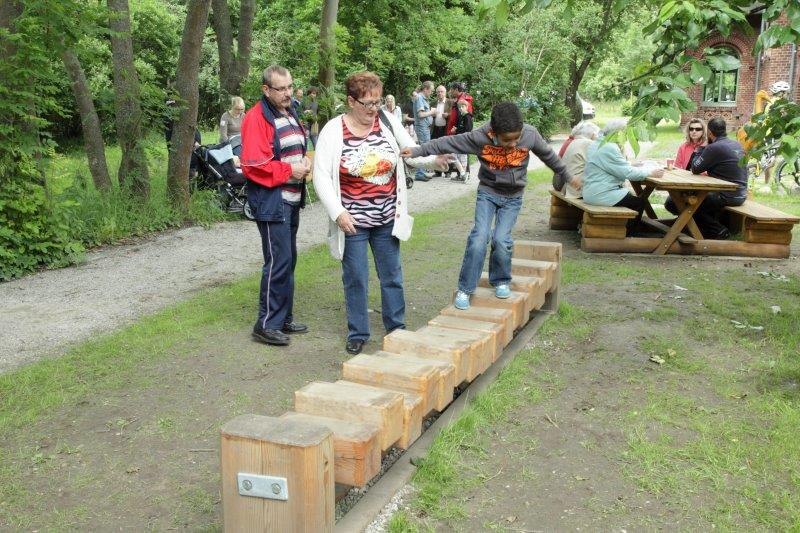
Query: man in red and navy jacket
{"x": 275, "y": 164}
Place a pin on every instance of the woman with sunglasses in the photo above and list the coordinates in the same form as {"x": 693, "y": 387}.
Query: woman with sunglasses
{"x": 695, "y": 138}
{"x": 359, "y": 181}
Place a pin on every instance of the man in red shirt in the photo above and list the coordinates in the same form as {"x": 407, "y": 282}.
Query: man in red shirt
{"x": 275, "y": 164}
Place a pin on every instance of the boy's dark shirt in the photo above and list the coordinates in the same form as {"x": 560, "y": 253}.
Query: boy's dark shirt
{"x": 503, "y": 171}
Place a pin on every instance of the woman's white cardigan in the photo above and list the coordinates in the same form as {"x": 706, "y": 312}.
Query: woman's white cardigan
{"x": 327, "y": 158}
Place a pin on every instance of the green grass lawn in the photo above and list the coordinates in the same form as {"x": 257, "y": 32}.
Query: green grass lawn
{"x": 710, "y": 435}
{"x": 707, "y": 439}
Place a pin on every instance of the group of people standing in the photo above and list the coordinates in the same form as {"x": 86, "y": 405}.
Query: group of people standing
{"x": 360, "y": 181}
{"x": 449, "y": 114}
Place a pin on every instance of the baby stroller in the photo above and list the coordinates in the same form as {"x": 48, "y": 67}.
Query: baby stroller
{"x": 217, "y": 171}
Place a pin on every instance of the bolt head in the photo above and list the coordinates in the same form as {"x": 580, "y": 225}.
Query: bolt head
{"x": 276, "y": 489}
{"x": 247, "y": 484}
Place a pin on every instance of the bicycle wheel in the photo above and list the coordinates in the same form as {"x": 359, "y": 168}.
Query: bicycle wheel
{"x": 788, "y": 172}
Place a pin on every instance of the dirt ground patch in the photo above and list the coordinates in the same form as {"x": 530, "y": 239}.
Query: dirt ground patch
{"x": 138, "y": 449}
{"x": 577, "y": 460}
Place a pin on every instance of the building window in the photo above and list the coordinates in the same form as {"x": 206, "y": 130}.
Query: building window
{"x": 721, "y": 89}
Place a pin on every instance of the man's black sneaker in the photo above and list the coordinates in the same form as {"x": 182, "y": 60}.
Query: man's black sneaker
{"x": 722, "y": 235}
{"x": 354, "y": 346}
{"x": 294, "y": 327}
{"x": 271, "y": 336}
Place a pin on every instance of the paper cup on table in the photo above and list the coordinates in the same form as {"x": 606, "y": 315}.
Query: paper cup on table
{"x": 670, "y": 164}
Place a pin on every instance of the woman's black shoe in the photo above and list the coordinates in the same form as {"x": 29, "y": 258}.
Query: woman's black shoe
{"x": 354, "y": 346}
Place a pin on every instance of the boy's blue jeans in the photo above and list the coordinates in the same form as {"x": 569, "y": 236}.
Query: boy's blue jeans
{"x": 355, "y": 276}
{"x": 504, "y": 211}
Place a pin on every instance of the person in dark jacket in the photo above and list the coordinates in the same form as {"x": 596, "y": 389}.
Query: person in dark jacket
{"x": 275, "y": 164}
{"x": 458, "y": 93}
{"x": 720, "y": 159}
{"x": 464, "y": 125}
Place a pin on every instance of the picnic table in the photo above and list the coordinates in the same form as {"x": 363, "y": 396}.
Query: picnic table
{"x": 688, "y": 191}
{"x": 766, "y": 232}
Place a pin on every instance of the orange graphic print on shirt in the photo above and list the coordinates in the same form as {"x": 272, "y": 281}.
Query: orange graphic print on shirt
{"x": 501, "y": 158}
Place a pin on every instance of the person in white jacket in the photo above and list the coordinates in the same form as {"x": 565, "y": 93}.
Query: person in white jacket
{"x": 360, "y": 180}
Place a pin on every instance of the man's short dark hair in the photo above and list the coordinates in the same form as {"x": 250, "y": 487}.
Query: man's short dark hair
{"x": 506, "y": 118}
{"x": 458, "y": 86}
{"x": 718, "y": 127}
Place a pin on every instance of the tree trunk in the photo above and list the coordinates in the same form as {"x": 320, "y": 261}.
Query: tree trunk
{"x": 576, "y": 73}
{"x": 186, "y": 85}
{"x": 90, "y": 123}
{"x": 327, "y": 43}
{"x": 133, "y": 172}
{"x": 233, "y": 66}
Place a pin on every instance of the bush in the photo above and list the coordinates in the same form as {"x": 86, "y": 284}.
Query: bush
{"x": 34, "y": 228}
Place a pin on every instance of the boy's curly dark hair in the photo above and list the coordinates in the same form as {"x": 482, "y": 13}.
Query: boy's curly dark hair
{"x": 506, "y": 118}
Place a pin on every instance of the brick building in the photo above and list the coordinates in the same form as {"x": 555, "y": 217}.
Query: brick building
{"x": 732, "y": 94}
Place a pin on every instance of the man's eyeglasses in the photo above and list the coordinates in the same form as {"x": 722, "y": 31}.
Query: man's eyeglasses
{"x": 695, "y": 129}
{"x": 371, "y": 105}
{"x": 284, "y": 89}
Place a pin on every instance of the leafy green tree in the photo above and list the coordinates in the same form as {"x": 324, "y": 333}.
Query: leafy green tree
{"x": 186, "y": 84}
{"x": 627, "y": 53}
{"x": 90, "y": 122}
{"x": 680, "y": 27}
{"x": 32, "y": 231}
{"x": 233, "y": 64}
{"x": 327, "y": 43}
{"x": 522, "y": 62}
{"x": 133, "y": 172}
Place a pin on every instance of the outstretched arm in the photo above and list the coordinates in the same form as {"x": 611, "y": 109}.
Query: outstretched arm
{"x": 464, "y": 143}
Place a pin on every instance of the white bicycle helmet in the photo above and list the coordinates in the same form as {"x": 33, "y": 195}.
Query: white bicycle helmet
{"x": 779, "y": 87}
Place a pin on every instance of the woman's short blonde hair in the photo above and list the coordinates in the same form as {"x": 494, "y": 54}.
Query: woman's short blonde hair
{"x": 696, "y": 121}
{"x": 390, "y": 98}
{"x": 237, "y": 101}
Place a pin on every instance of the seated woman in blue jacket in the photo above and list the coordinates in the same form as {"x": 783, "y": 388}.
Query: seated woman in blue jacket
{"x": 607, "y": 171}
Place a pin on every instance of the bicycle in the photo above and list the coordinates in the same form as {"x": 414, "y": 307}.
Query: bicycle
{"x": 784, "y": 172}
{"x": 763, "y": 165}
{"x": 787, "y": 172}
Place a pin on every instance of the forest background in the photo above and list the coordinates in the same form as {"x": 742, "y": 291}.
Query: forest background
{"x": 83, "y": 85}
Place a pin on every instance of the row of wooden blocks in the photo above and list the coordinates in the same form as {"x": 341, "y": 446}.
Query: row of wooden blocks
{"x": 384, "y": 397}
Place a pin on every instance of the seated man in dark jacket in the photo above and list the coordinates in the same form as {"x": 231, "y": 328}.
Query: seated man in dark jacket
{"x": 720, "y": 159}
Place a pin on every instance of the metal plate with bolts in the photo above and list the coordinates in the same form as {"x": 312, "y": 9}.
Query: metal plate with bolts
{"x": 269, "y": 487}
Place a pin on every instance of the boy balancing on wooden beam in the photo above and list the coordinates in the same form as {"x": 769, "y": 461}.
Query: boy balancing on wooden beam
{"x": 503, "y": 148}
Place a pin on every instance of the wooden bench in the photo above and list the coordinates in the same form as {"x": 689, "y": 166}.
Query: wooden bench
{"x": 596, "y": 221}
{"x": 761, "y": 224}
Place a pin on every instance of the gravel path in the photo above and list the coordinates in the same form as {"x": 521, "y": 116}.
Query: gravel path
{"x": 46, "y": 313}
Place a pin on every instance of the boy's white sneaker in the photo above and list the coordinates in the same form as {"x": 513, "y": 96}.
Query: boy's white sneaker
{"x": 502, "y": 291}
{"x": 461, "y": 301}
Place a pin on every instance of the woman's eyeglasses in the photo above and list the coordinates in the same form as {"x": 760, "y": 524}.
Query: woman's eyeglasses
{"x": 371, "y": 105}
{"x": 695, "y": 129}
